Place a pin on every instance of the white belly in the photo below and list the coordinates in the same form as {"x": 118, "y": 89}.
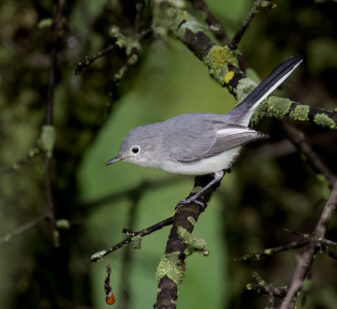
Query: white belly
{"x": 202, "y": 167}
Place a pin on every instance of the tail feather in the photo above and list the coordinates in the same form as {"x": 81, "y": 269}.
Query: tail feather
{"x": 242, "y": 113}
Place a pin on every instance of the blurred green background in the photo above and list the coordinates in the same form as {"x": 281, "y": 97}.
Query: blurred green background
{"x": 271, "y": 186}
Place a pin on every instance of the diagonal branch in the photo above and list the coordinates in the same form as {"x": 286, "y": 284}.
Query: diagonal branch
{"x": 213, "y": 23}
{"x": 222, "y": 63}
{"x": 21, "y": 229}
{"x": 304, "y": 260}
{"x": 239, "y": 34}
{"x": 144, "y": 232}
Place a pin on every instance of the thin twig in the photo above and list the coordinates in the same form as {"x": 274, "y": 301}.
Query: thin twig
{"x": 22, "y": 229}
{"x": 48, "y": 121}
{"x": 272, "y": 251}
{"x": 84, "y": 62}
{"x": 126, "y": 241}
{"x": 31, "y": 155}
{"x": 124, "y": 301}
{"x": 304, "y": 260}
{"x": 263, "y": 287}
{"x": 239, "y": 34}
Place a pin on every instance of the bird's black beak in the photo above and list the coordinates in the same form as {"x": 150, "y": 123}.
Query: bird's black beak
{"x": 114, "y": 160}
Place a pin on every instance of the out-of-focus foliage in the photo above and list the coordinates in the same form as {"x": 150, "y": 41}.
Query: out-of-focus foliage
{"x": 271, "y": 186}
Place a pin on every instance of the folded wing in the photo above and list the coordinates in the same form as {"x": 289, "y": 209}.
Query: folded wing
{"x": 191, "y": 144}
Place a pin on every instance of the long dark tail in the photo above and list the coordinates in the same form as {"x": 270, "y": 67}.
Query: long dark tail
{"x": 244, "y": 110}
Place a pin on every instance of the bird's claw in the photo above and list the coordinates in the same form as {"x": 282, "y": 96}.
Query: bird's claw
{"x": 189, "y": 200}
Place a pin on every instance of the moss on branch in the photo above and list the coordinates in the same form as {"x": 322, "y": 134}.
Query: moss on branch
{"x": 223, "y": 67}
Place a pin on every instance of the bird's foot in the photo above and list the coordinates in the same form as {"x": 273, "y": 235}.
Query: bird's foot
{"x": 192, "y": 199}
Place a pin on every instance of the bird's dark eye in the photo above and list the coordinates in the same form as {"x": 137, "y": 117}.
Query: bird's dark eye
{"x": 135, "y": 149}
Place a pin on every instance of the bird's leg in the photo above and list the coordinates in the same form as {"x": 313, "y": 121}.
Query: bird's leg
{"x": 193, "y": 199}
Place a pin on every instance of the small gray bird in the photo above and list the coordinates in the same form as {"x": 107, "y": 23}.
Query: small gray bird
{"x": 199, "y": 144}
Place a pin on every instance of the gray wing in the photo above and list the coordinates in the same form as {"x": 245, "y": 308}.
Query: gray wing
{"x": 206, "y": 138}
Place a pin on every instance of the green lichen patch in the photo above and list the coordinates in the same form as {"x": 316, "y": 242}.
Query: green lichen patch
{"x": 47, "y": 139}
{"x": 259, "y": 113}
{"x": 191, "y": 220}
{"x": 245, "y": 87}
{"x": 278, "y": 107}
{"x": 172, "y": 267}
{"x": 300, "y": 112}
{"x": 324, "y": 120}
{"x": 128, "y": 43}
{"x": 267, "y": 251}
{"x": 192, "y": 244}
{"x": 63, "y": 224}
{"x": 136, "y": 242}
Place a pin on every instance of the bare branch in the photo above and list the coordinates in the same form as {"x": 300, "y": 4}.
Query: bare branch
{"x": 21, "y": 229}
{"x": 127, "y": 257}
{"x": 147, "y": 231}
{"x": 84, "y": 62}
{"x": 257, "y": 256}
{"x": 304, "y": 260}
{"x": 30, "y": 156}
{"x": 239, "y": 34}
{"x": 47, "y": 129}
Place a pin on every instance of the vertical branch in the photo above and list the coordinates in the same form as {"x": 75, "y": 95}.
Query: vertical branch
{"x": 127, "y": 258}
{"x": 47, "y": 136}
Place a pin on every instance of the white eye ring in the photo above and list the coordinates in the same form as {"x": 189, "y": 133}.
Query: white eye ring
{"x": 135, "y": 149}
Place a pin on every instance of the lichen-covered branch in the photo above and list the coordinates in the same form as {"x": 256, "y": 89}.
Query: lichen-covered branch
{"x": 261, "y": 286}
{"x": 222, "y": 63}
{"x": 171, "y": 269}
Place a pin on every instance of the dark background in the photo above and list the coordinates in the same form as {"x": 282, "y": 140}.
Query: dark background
{"x": 271, "y": 186}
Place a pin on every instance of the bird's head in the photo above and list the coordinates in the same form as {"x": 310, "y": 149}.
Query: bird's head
{"x": 138, "y": 146}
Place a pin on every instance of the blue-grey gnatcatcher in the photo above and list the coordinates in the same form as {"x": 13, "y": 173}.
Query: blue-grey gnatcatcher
{"x": 199, "y": 144}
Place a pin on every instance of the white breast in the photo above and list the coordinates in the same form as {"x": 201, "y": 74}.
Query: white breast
{"x": 202, "y": 167}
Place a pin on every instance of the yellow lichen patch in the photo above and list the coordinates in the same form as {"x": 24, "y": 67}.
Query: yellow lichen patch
{"x": 228, "y": 76}
{"x": 221, "y": 55}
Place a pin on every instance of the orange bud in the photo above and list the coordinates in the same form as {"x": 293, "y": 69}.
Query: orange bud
{"x": 110, "y": 299}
